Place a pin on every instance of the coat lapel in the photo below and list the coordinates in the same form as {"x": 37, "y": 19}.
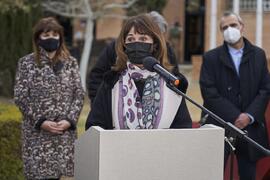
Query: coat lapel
{"x": 225, "y": 57}
{"x": 247, "y": 50}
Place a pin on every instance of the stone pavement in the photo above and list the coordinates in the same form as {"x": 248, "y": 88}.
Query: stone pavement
{"x": 193, "y": 91}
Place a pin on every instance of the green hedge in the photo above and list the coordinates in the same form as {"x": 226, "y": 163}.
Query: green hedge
{"x": 17, "y": 20}
{"x": 10, "y": 143}
{"x": 10, "y": 139}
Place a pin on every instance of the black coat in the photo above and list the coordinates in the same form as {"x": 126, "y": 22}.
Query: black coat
{"x": 101, "y": 112}
{"x": 227, "y": 94}
{"x": 107, "y": 59}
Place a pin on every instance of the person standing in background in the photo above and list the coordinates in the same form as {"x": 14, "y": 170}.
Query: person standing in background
{"x": 235, "y": 85}
{"x": 49, "y": 94}
{"x": 175, "y": 38}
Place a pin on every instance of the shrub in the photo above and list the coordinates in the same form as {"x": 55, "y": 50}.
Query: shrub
{"x": 17, "y": 19}
{"x": 10, "y": 143}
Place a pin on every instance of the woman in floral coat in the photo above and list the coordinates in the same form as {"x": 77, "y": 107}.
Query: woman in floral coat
{"x": 49, "y": 94}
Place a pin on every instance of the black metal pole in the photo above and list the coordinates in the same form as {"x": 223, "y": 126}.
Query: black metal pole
{"x": 238, "y": 133}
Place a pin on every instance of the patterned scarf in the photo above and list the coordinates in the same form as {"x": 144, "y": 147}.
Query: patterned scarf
{"x": 137, "y": 112}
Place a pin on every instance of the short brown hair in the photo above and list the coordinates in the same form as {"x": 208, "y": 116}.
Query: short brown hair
{"x": 142, "y": 24}
{"x": 46, "y": 25}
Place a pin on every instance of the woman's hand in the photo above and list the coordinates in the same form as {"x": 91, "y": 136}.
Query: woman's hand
{"x": 52, "y": 127}
{"x": 63, "y": 124}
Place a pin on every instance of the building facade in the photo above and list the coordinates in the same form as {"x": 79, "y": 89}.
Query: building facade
{"x": 197, "y": 23}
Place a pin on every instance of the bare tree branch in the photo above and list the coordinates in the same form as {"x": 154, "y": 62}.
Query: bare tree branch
{"x": 79, "y": 9}
{"x": 64, "y": 13}
{"x": 119, "y": 5}
{"x": 118, "y": 16}
{"x": 82, "y": 8}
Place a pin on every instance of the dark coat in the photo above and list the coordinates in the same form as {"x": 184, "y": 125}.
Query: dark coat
{"x": 101, "y": 112}
{"x": 227, "y": 94}
{"x": 107, "y": 59}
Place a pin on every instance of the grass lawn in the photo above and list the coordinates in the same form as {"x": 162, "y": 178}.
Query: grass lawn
{"x": 83, "y": 116}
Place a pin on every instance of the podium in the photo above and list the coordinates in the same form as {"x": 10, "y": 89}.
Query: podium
{"x": 158, "y": 154}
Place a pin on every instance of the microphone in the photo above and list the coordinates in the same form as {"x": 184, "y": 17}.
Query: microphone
{"x": 151, "y": 64}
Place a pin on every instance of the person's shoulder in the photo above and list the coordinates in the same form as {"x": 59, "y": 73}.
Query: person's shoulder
{"x": 27, "y": 59}
{"x": 110, "y": 78}
{"x": 71, "y": 60}
{"x": 110, "y": 46}
{"x": 258, "y": 50}
{"x": 212, "y": 57}
{"x": 112, "y": 43}
{"x": 214, "y": 51}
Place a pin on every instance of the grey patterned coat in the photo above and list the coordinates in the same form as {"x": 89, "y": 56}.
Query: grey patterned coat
{"x": 48, "y": 93}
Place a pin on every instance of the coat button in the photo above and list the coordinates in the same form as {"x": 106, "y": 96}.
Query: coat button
{"x": 229, "y": 88}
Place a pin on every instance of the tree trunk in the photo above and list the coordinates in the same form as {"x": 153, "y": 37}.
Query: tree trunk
{"x": 86, "y": 51}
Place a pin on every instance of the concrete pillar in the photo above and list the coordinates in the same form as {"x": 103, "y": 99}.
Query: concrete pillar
{"x": 236, "y": 6}
{"x": 259, "y": 23}
{"x": 213, "y": 24}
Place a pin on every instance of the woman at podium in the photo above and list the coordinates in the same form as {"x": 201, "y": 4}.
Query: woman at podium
{"x": 131, "y": 97}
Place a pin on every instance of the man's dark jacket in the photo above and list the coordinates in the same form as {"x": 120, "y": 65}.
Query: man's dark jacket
{"x": 227, "y": 94}
{"x": 107, "y": 59}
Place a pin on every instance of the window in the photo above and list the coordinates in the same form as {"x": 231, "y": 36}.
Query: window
{"x": 249, "y": 5}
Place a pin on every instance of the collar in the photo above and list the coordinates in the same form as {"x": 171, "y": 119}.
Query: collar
{"x": 44, "y": 58}
{"x": 224, "y": 54}
{"x": 234, "y": 51}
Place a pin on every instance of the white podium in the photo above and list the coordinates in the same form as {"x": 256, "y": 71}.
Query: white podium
{"x": 160, "y": 154}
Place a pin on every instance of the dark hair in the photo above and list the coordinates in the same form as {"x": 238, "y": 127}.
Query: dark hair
{"x": 46, "y": 25}
{"x": 142, "y": 24}
{"x": 229, "y": 13}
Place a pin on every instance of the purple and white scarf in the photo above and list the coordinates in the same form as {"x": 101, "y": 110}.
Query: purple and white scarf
{"x": 135, "y": 112}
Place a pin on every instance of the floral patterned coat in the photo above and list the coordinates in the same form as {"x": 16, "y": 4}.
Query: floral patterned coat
{"x": 48, "y": 92}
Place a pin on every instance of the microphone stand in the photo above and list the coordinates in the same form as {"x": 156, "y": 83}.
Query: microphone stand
{"x": 230, "y": 142}
{"x": 233, "y": 130}
{"x": 152, "y": 65}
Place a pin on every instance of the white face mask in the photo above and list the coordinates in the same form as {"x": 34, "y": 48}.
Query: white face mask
{"x": 231, "y": 35}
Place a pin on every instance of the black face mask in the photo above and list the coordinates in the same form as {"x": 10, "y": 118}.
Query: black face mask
{"x": 137, "y": 51}
{"x": 50, "y": 44}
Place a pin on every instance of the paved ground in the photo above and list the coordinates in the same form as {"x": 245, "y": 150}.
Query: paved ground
{"x": 193, "y": 92}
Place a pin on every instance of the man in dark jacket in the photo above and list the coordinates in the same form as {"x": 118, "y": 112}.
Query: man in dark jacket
{"x": 108, "y": 57}
{"x": 234, "y": 84}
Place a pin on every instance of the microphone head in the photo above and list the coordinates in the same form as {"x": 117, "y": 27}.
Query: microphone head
{"x": 149, "y": 62}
